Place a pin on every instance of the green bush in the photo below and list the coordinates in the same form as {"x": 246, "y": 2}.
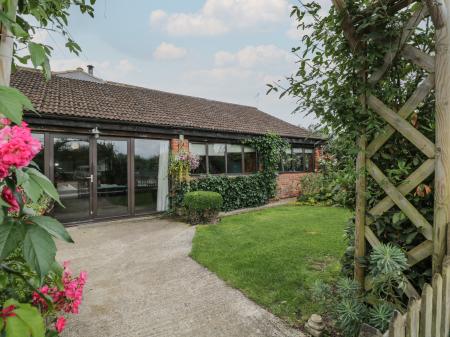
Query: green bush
{"x": 202, "y": 206}
{"x": 237, "y": 192}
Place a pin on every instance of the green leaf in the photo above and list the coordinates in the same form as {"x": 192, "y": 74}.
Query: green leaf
{"x": 37, "y": 52}
{"x": 52, "y": 226}
{"x": 32, "y": 318}
{"x": 10, "y": 237}
{"x": 39, "y": 250}
{"x": 15, "y": 327}
{"x": 26, "y": 322}
{"x": 21, "y": 176}
{"x": 12, "y": 104}
{"x": 45, "y": 183}
{"x": 32, "y": 189}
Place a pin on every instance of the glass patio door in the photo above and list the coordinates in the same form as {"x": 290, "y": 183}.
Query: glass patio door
{"x": 73, "y": 177}
{"x": 112, "y": 177}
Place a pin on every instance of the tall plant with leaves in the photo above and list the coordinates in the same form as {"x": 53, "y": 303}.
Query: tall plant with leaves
{"x": 270, "y": 149}
{"x": 328, "y": 83}
{"x": 27, "y": 247}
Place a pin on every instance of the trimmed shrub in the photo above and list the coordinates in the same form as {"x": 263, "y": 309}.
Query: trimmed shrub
{"x": 202, "y": 206}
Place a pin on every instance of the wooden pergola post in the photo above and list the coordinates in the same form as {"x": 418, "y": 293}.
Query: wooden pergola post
{"x": 360, "y": 215}
{"x": 442, "y": 162}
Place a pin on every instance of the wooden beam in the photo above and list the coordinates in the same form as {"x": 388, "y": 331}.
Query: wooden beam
{"x": 438, "y": 12}
{"x": 420, "y": 252}
{"x": 405, "y": 112}
{"x": 402, "y": 126}
{"x": 442, "y": 172}
{"x": 360, "y": 214}
{"x": 410, "y": 211}
{"x": 407, "y": 31}
{"x": 419, "y": 58}
{"x": 412, "y": 181}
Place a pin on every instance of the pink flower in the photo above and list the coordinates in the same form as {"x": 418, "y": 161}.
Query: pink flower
{"x": 8, "y": 196}
{"x": 17, "y": 147}
{"x": 60, "y": 324}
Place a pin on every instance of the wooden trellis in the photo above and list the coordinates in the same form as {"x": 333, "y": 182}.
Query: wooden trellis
{"x": 437, "y": 154}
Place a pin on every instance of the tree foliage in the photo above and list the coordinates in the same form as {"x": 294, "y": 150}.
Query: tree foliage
{"x": 27, "y": 247}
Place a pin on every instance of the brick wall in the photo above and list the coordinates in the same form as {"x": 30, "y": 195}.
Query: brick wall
{"x": 288, "y": 184}
{"x": 177, "y": 144}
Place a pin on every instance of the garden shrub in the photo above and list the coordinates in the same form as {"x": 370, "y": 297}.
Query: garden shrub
{"x": 202, "y": 206}
{"x": 349, "y": 305}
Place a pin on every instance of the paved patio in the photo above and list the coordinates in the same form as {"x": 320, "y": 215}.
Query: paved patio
{"x": 143, "y": 283}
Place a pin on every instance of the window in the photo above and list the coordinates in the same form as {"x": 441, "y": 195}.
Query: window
{"x": 309, "y": 160}
{"x": 298, "y": 160}
{"x": 250, "y": 165}
{"x": 224, "y": 158}
{"x": 200, "y": 151}
{"x": 234, "y": 158}
{"x": 39, "y": 158}
{"x": 216, "y": 158}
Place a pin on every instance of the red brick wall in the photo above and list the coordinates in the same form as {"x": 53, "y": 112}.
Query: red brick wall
{"x": 177, "y": 144}
{"x": 288, "y": 184}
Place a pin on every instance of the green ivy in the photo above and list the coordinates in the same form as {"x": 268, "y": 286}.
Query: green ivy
{"x": 242, "y": 191}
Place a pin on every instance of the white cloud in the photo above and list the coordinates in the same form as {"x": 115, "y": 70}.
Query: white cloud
{"x": 253, "y": 56}
{"x": 157, "y": 17}
{"x": 221, "y": 16}
{"x": 168, "y": 51}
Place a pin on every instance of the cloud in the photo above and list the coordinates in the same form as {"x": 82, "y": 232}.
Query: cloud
{"x": 296, "y": 33}
{"x": 218, "y": 17}
{"x": 168, "y": 51}
{"x": 253, "y": 56}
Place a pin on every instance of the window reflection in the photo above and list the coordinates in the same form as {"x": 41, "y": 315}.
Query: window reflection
{"x": 39, "y": 158}
{"x": 200, "y": 151}
{"x": 72, "y": 177}
{"x": 250, "y": 164}
{"x": 146, "y": 165}
{"x": 234, "y": 158}
{"x": 216, "y": 158}
{"x": 112, "y": 177}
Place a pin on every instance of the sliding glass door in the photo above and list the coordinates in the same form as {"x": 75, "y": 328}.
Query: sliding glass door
{"x": 72, "y": 177}
{"x": 150, "y": 175}
{"x": 108, "y": 177}
{"x": 112, "y": 177}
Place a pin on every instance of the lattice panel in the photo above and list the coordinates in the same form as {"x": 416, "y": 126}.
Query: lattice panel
{"x": 396, "y": 122}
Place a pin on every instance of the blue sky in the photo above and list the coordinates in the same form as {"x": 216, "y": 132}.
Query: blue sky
{"x": 218, "y": 49}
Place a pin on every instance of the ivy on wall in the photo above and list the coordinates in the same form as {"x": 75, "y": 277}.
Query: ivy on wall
{"x": 241, "y": 191}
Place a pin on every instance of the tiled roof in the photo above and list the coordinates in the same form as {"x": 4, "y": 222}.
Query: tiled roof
{"x": 113, "y": 101}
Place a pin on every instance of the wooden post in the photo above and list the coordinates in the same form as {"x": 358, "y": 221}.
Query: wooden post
{"x": 6, "y": 44}
{"x": 442, "y": 170}
{"x": 360, "y": 216}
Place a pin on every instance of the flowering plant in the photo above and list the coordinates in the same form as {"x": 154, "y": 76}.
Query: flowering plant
{"x": 181, "y": 165}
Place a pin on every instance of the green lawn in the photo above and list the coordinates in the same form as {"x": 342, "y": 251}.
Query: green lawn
{"x": 274, "y": 255}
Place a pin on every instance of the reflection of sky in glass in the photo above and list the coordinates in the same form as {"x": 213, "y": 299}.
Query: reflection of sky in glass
{"x": 216, "y": 149}
{"x": 234, "y": 148}
{"x": 146, "y": 148}
{"x": 198, "y": 149}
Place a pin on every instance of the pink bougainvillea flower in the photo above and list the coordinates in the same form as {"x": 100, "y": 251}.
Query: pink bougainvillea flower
{"x": 60, "y": 324}
{"x": 8, "y": 196}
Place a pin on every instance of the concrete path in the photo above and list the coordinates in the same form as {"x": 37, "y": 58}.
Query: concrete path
{"x": 142, "y": 283}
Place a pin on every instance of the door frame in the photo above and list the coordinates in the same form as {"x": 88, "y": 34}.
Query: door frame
{"x": 50, "y": 165}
